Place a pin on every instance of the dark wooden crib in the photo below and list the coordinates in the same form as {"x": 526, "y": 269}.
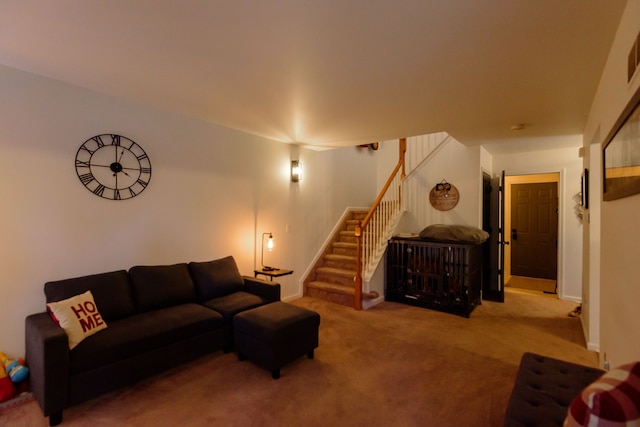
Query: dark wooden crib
{"x": 436, "y": 275}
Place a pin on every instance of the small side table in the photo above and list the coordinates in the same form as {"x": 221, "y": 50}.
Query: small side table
{"x": 276, "y": 272}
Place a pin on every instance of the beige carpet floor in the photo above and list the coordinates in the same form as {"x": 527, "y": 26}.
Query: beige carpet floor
{"x": 392, "y": 365}
{"x": 533, "y": 284}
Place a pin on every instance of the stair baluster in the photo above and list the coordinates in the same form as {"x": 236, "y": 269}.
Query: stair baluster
{"x": 370, "y": 233}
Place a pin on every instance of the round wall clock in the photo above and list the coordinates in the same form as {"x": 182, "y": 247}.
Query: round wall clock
{"x": 113, "y": 167}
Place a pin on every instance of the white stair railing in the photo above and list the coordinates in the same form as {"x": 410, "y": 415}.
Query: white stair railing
{"x": 371, "y": 230}
{"x": 372, "y": 233}
{"x": 375, "y": 233}
{"x": 421, "y": 147}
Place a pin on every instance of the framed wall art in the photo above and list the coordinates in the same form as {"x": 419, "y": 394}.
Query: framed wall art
{"x": 621, "y": 155}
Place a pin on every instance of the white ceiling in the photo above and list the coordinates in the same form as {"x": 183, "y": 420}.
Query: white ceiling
{"x": 330, "y": 73}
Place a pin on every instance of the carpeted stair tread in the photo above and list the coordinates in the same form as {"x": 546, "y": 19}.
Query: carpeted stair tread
{"x": 345, "y": 245}
{"x": 340, "y": 289}
{"x": 333, "y": 276}
{"x": 335, "y": 257}
{"x": 336, "y": 271}
{"x": 348, "y": 236}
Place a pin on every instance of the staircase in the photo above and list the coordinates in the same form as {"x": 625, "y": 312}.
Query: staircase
{"x": 343, "y": 271}
{"x": 332, "y": 278}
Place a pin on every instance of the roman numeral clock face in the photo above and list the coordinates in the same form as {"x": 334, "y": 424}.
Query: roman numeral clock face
{"x": 113, "y": 167}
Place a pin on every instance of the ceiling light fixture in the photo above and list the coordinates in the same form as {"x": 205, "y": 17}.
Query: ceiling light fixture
{"x": 519, "y": 126}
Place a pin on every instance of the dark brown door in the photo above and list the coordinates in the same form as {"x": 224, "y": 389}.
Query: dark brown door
{"x": 493, "y": 223}
{"x": 534, "y": 230}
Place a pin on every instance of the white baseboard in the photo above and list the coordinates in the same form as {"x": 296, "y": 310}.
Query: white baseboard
{"x": 288, "y": 298}
{"x": 367, "y": 304}
{"x": 572, "y": 299}
{"x": 593, "y": 347}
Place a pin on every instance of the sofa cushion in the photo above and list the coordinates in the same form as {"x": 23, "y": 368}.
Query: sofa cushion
{"x": 161, "y": 286}
{"x": 111, "y": 292}
{"x": 216, "y": 278}
{"x": 78, "y": 316}
{"x": 143, "y": 332}
{"x": 611, "y": 400}
{"x": 232, "y": 304}
{"x": 454, "y": 234}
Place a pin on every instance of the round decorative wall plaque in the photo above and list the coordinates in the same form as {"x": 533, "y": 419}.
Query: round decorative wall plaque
{"x": 444, "y": 196}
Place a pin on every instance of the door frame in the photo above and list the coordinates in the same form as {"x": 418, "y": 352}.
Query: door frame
{"x": 528, "y": 179}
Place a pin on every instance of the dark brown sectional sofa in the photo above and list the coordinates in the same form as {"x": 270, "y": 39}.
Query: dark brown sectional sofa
{"x": 157, "y": 317}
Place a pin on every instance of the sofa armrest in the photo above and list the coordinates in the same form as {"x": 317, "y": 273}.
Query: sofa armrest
{"x": 263, "y": 288}
{"x": 47, "y": 355}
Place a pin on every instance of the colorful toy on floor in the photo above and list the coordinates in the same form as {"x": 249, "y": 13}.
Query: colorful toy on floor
{"x": 14, "y": 369}
{"x": 7, "y": 389}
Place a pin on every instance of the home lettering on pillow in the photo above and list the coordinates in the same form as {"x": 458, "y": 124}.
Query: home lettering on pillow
{"x": 87, "y": 315}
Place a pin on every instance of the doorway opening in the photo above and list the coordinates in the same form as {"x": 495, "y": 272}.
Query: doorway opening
{"x": 531, "y": 224}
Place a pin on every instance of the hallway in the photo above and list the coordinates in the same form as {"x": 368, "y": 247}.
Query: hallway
{"x": 546, "y": 286}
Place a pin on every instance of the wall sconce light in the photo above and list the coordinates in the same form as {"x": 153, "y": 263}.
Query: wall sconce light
{"x": 296, "y": 170}
{"x": 270, "y": 246}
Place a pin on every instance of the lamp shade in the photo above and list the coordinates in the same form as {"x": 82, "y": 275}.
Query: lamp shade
{"x": 270, "y": 245}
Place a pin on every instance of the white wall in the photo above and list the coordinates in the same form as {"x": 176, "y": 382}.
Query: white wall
{"x": 569, "y": 165}
{"x": 614, "y": 276}
{"x": 387, "y": 157}
{"x": 458, "y": 165}
{"x": 213, "y": 191}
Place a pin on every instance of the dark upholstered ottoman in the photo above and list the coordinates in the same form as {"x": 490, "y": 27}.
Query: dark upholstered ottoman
{"x": 275, "y": 334}
{"x": 544, "y": 390}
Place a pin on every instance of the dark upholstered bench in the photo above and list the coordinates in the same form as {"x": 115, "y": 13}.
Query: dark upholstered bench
{"x": 275, "y": 334}
{"x": 544, "y": 390}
